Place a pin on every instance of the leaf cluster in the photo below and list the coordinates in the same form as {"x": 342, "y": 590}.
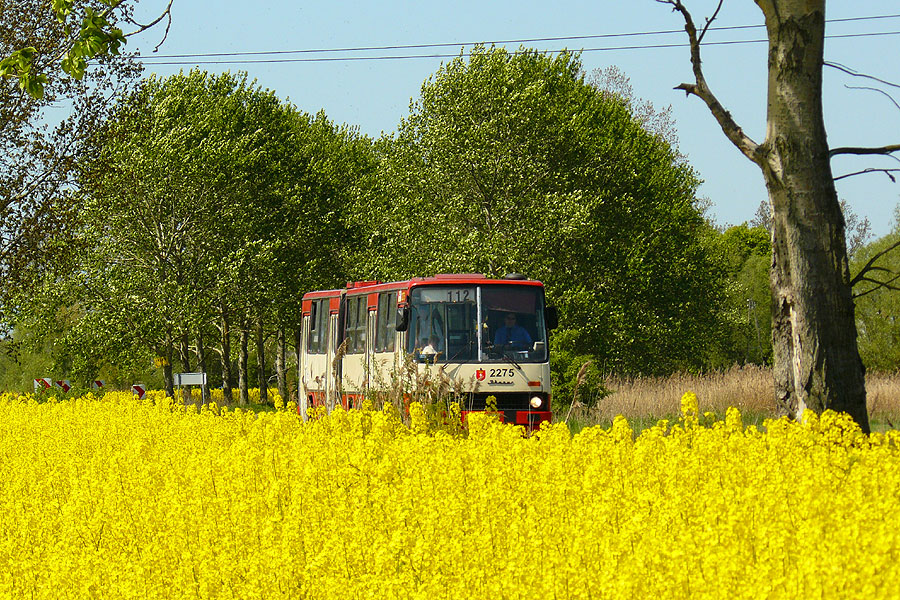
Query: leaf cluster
{"x": 204, "y": 198}
{"x": 88, "y": 30}
{"x": 511, "y": 162}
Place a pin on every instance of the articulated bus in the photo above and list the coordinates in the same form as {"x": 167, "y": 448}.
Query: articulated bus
{"x": 488, "y": 336}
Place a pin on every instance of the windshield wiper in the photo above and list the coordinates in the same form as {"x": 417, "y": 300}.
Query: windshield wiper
{"x": 460, "y": 351}
{"x": 511, "y": 360}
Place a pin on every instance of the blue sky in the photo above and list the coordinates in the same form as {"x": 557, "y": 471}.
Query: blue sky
{"x": 375, "y": 94}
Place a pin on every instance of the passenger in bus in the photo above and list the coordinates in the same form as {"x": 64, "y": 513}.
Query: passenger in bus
{"x": 431, "y": 346}
{"x": 512, "y": 335}
{"x": 433, "y": 325}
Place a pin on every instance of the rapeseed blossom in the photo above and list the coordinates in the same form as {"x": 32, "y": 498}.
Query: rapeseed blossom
{"x": 118, "y": 498}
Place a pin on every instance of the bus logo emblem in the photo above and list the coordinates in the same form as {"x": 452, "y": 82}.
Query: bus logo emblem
{"x": 479, "y": 374}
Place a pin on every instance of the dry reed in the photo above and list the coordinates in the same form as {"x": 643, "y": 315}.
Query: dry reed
{"x": 748, "y": 388}
{"x": 883, "y": 397}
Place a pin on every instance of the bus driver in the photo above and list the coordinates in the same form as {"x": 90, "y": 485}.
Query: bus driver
{"x": 512, "y": 335}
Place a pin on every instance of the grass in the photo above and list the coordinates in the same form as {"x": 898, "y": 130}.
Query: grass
{"x": 645, "y": 400}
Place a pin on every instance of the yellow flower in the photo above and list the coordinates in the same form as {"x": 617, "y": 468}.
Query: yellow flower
{"x": 689, "y": 404}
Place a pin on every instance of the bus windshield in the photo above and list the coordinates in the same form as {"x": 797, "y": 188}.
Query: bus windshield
{"x": 444, "y": 324}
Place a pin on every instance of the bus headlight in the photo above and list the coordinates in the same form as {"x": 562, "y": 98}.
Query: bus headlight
{"x": 536, "y": 401}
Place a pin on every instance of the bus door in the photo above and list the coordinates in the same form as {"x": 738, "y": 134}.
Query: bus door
{"x": 356, "y": 332}
{"x": 332, "y": 367}
{"x": 370, "y": 349}
{"x": 302, "y": 367}
{"x": 316, "y": 362}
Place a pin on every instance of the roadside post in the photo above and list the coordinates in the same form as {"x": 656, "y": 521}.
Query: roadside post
{"x": 183, "y": 379}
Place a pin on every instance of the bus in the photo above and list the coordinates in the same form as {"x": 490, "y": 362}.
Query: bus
{"x": 488, "y": 336}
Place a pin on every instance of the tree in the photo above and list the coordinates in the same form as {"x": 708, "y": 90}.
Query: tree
{"x": 816, "y": 359}
{"x": 747, "y": 255}
{"x": 205, "y": 204}
{"x": 858, "y": 229}
{"x": 161, "y": 198}
{"x": 510, "y": 162}
{"x": 87, "y": 33}
{"x": 611, "y": 80}
{"x": 39, "y": 154}
{"x": 878, "y": 303}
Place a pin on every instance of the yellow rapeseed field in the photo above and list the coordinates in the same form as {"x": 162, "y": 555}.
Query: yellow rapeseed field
{"x": 116, "y": 498}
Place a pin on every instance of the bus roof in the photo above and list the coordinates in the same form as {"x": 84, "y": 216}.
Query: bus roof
{"x": 367, "y": 287}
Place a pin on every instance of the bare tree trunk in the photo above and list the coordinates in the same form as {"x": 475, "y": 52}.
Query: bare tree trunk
{"x": 168, "y": 355}
{"x": 280, "y": 351}
{"x": 185, "y": 358}
{"x": 169, "y": 380}
{"x": 244, "y": 393}
{"x": 261, "y": 362}
{"x": 226, "y": 359}
{"x": 817, "y": 363}
{"x": 201, "y": 361}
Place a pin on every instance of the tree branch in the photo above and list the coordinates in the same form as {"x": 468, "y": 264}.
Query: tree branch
{"x": 699, "y": 88}
{"x": 853, "y": 150}
{"x": 141, "y": 28}
{"x": 872, "y": 89}
{"x": 869, "y": 266}
{"x": 870, "y": 170}
{"x": 856, "y": 73}
{"x": 878, "y": 286}
{"x": 709, "y": 21}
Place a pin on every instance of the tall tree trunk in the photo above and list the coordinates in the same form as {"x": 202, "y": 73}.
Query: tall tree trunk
{"x": 184, "y": 353}
{"x": 169, "y": 380}
{"x": 261, "y": 362}
{"x": 226, "y": 358}
{"x": 168, "y": 355}
{"x": 817, "y": 363}
{"x": 244, "y": 393}
{"x": 280, "y": 351}
{"x": 201, "y": 361}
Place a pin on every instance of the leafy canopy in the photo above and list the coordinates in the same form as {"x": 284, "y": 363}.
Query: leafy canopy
{"x": 511, "y": 162}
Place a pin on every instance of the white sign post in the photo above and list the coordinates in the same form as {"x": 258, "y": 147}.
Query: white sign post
{"x": 182, "y": 379}
{"x": 189, "y": 379}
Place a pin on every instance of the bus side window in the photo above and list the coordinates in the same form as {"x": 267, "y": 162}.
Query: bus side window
{"x": 313, "y": 344}
{"x": 386, "y": 322}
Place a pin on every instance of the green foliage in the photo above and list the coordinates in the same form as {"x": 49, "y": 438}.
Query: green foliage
{"x": 878, "y": 307}
{"x": 746, "y": 314}
{"x": 740, "y": 242}
{"x": 87, "y": 35}
{"x": 511, "y": 162}
{"x": 576, "y": 376}
{"x": 97, "y": 36}
{"x": 37, "y": 166}
{"x": 19, "y": 65}
{"x": 204, "y": 198}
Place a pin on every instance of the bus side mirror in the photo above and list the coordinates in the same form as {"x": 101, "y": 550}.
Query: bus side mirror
{"x": 552, "y": 318}
{"x": 402, "y": 318}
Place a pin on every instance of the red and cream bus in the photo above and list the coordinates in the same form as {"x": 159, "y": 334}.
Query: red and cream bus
{"x": 488, "y": 336}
